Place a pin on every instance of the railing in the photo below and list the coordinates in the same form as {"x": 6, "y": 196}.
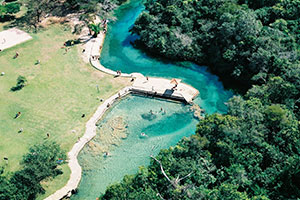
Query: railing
{"x": 158, "y": 92}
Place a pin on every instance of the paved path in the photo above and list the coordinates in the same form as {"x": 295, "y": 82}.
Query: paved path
{"x": 164, "y": 88}
{"x": 95, "y": 52}
{"x": 90, "y": 133}
{"x": 12, "y": 37}
{"x": 158, "y": 86}
{"x": 154, "y": 86}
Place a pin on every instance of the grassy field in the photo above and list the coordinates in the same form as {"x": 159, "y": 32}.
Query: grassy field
{"x": 60, "y": 89}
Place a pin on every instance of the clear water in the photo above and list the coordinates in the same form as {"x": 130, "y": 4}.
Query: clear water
{"x": 132, "y": 115}
{"x": 161, "y": 131}
{"x": 118, "y": 54}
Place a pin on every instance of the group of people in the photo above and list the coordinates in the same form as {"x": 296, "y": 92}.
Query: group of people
{"x": 160, "y": 111}
{"x": 119, "y": 72}
{"x": 17, "y": 55}
{"x": 97, "y": 57}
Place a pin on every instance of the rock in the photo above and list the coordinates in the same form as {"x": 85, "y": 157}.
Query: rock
{"x": 198, "y": 112}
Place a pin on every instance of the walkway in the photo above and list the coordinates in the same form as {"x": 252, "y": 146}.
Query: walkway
{"x": 153, "y": 86}
{"x": 12, "y": 37}
{"x": 164, "y": 88}
{"x": 90, "y": 133}
{"x": 96, "y": 46}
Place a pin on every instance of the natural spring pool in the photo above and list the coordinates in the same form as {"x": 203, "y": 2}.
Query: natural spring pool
{"x": 131, "y": 116}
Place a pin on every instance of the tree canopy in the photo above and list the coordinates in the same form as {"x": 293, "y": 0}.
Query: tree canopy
{"x": 8, "y": 9}
{"x": 253, "y": 151}
{"x": 235, "y": 41}
{"x": 39, "y": 163}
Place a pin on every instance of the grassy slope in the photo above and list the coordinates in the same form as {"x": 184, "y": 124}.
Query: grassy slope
{"x": 59, "y": 91}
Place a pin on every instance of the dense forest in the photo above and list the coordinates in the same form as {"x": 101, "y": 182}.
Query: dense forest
{"x": 253, "y": 151}
{"x": 234, "y": 40}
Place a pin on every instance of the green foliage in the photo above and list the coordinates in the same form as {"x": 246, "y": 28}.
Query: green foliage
{"x": 9, "y": 8}
{"x": 21, "y": 82}
{"x": 12, "y": 8}
{"x": 96, "y": 28}
{"x": 252, "y": 152}
{"x": 36, "y": 10}
{"x": 88, "y": 9}
{"x": 237, "y": 42}
{"x": 41, "y": 162}
{"x": 104, "y": 9}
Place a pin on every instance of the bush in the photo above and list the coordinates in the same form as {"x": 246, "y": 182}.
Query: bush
{"x": 9, "y": 8}
{"x": 21, "y": 82}
{"x": 39, "y": 163}
{"x": 12, "y": 8}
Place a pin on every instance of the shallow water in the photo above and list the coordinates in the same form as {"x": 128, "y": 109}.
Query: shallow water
{"x": 168, "y": 127}
{"x": 133, "y": 113}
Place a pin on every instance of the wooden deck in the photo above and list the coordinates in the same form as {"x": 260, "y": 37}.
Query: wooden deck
{"x": 162, "y": 87}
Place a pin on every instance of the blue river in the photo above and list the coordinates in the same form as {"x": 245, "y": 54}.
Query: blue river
{"x": 169, "y": 122}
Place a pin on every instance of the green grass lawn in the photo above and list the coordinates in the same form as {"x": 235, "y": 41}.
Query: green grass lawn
{"x": 60, "y": 89}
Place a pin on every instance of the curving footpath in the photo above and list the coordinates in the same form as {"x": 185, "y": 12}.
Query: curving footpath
{"x": 92, "y": 48}
{"x": 89, "y": 134}
{"x": 144, "y": 85}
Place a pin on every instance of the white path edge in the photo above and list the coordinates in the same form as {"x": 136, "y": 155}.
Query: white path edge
{"x": 90, "y": 131}
{"x": 89, "y": 134}
{"x": 93, "y": 49}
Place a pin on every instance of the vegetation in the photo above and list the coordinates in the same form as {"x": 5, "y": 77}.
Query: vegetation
{"x": 21, "y": 82}
{"x": 253, "y": 151}
{"x": 53, "y": 104}
{"x": 235, "y": 41}
{"x": 38, "y": 10}
{"x": 96, "y": 28}
{"x": 40, "y": 162}
{"x": 8, "y": 9}
{"x": 62, "y": 88}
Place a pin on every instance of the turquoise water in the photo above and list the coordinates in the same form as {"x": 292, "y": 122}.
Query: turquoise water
{"x": 118, "y": 54}
{"x": 132, "y": 115}
{"x": 161, "y": 132}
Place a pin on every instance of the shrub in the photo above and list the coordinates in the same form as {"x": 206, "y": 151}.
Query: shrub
{"x": 21, "y": 82}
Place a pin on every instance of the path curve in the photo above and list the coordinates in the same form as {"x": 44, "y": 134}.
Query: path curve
{"x": 90, "y": 133}
{"x": 92, "y": 48}
{"x": 141, "y": 84}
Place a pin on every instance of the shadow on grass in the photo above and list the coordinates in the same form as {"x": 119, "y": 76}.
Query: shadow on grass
{"x": 16, "y": 88}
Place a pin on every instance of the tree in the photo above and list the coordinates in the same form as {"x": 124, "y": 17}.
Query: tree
{"x": 96, "y": 28}
{"x": 252, "y": 152}
{"x": 8, "y": 9}
{"x": 39, "y": 9}
{"x": 39, "y": 163}
{"x": 21, "y": 82}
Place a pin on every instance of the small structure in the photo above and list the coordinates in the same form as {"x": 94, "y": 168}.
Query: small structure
{"x": 164, "y": 88}
{"x": 174, "y": 81}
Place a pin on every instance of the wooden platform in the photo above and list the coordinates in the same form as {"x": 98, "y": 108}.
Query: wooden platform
{"x": 164, "y": 88}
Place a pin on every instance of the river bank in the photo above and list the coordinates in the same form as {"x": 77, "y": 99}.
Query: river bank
{"x": 118, "y": 54}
